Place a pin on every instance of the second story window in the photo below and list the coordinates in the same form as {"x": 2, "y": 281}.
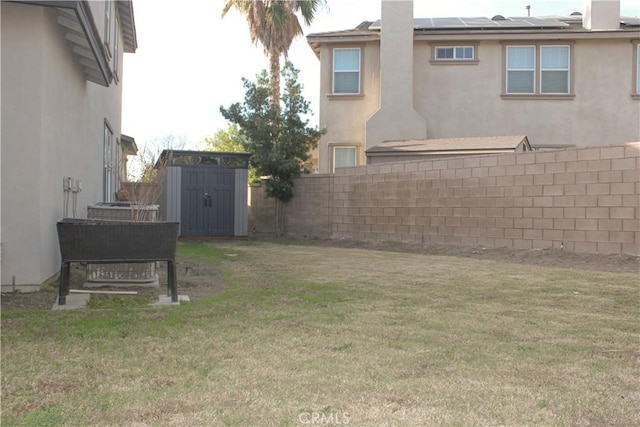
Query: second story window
{"x": 554, "y": 69}
{"x": 521, "y": 69}
{"x": 116, "y": 46}
{"x": 538, "y": 70}
{"x": 107, "y": 26}
{"x": 637, "y": 73}
{"x": 346, "y": 71}
{"x": 459, "y": 53}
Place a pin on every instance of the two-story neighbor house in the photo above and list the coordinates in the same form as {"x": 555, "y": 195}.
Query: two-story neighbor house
{"x": 561, "y": 81}
{"x": 61, "y": 81}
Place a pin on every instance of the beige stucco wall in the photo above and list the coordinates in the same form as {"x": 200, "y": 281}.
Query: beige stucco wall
{"x": 465, "y": 100}
{"x": 20, "y": 35}
{"x": 397, "y": 117}
{"x": 52, "y": 127}
{"x": 344, "y": 116}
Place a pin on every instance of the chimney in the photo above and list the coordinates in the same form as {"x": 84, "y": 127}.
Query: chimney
{"x": 396, "y": 118}
{"x": 601, "y": 15}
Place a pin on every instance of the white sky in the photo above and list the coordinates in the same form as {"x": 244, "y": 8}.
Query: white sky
{"x": 189, "y": 61}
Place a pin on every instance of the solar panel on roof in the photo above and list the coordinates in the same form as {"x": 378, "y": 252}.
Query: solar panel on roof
{"x": 538, "y": 22}
{"x": 480, "y": 23}
{"x": 476, "y": 20}
{"x": 628, "y": 20}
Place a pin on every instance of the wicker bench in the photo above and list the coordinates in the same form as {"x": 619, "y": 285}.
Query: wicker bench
{"x": 107, "y": 242}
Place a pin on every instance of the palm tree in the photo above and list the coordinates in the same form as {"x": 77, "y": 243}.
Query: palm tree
{"x": 274, "y": 23}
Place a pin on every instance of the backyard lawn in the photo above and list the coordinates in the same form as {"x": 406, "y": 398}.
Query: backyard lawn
{"x": 319, "y": 335}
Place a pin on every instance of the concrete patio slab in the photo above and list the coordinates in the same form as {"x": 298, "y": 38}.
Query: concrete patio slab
{"x": 165, "y": 301}
{"x": 73, "y": 302}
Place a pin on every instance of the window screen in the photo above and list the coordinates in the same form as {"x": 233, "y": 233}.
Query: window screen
{"x": 521, "y": 69}
{"x": 346, "y": 70}
{"x": 554, "y": 69}
{"x": 454, "y": 52}
{"x": 344, "y": 157}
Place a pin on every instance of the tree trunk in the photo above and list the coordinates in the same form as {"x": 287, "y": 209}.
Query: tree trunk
{"x": 274, "y": 65}
{"x": 279, "y": 218}
{"x": 276, "y": 226}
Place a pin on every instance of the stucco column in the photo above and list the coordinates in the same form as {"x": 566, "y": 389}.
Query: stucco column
{"x": 396, "y": 118}
{"x": 601, "y": 15}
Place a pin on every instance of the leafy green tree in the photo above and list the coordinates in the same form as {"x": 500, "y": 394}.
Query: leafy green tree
{"x": 231, "y": 141}
{"x": 280, "y": 141}
{"x": 226, "y": 141}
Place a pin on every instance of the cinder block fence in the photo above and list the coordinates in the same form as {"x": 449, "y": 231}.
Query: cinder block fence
{"x": 580, "y": 200}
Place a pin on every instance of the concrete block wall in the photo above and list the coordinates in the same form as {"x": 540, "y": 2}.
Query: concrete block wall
{"x": 580, "y": 200}
{"x": 307, "y": 214}
{"x": 261, "y": 211}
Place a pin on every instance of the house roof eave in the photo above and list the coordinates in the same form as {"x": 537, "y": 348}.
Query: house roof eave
{"x": 82, "y": 32}
{"x": 85, "y": 17}
{"x": 525, "y": 35}
{"x": 129, "y": 146}
{"x": 315, "y": 41}
{"x": 128, "y": 25}
{"x": 628, "y": 28}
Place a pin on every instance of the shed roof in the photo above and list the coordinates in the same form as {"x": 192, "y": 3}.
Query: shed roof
{"x": 203, "y": 158}
{"x": 491, "y": 144}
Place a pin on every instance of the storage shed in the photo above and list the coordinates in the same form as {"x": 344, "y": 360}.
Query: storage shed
{"x": 206, "y": 191}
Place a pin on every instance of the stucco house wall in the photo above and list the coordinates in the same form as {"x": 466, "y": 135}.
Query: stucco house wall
{"x": 52, "y": 127}
{"x": 344, "y": 116}
{"x": 467, "y": 99}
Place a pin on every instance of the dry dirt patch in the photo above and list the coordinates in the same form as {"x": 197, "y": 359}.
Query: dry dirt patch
{"x": 543, "y": 257}
{"x": 199, "y": 280}
{"x": 195, "y": 279}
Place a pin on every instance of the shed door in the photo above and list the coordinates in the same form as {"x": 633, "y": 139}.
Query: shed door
{"x": 207, "y": 201}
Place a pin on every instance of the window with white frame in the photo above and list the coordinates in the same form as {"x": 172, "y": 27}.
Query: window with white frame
{"x": 107, "y": 25}
{"x": 554, "y": 69}
{"x": 638, "y": 69}
{"x": 344, "y": 157}
{"x": 538, "y": 70}
{"x": 346, "y": 71}
{"x": 521, "y": 69}
{"x": 454, "y": 53}
{"x": 115, "y": 51}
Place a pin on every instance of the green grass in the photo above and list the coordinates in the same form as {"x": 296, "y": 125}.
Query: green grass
{"x": 373, "y": 338}
{"x": 206, "y": 253}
